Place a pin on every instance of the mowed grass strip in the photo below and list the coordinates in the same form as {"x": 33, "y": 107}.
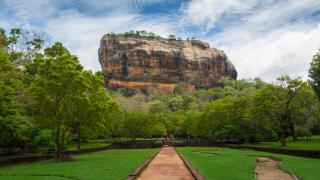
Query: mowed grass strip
{"x": 233, "y": 164}
{"x": 111, "y": 164}
{"x": 303, "y": 144}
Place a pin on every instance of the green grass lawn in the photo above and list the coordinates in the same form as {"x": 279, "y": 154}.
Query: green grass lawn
{"x": 111, "y": 164}
{"x": 303, "y": 143}
{"x": 238, "y": 164}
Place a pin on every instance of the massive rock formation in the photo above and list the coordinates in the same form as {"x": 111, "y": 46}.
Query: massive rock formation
{"x": 142, "y": 63}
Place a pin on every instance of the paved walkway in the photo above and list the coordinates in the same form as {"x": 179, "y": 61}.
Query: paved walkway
{"x": 167, "y": 165}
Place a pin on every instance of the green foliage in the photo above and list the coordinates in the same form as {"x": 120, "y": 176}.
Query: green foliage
{"x": 226, "y": 118}
{"x": 189, "y": 125}
{"x": 43, "y": 140}
{"x": 143, "y": 34}
{"x": 159, "y": 130}
{"x": 3, "y": 39}
{"x": 74, "y": 101}
{"x": 58, "y": 82}
{"x": 14, "y": 132}
{"x": 314, "y": 74}
{"x": 157, "y": 106}
{"x": 172, "y": 37}
{"x": 285, "y": 104}
{"x": 175, "y": 103}
{"x": 137, "y": 124}
{"x": 182, "y": 88}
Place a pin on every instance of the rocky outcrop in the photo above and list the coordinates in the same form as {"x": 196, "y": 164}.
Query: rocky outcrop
{"x": 142, "y": 63}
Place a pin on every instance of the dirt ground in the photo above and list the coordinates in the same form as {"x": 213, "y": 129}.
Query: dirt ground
{"x": 268, "y": 169}
{"x": 167, "y": 165}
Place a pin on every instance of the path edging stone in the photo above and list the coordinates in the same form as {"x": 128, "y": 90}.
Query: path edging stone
{"x": 195, "y": 173}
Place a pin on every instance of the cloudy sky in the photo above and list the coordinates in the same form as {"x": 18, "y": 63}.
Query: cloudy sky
{"x": 263, "y": 38}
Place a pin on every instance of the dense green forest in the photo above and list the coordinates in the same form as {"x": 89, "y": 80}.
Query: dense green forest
{"x": 48, "y": 100}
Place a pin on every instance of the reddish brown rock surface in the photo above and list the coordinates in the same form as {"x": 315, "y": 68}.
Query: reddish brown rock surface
{"x": 143, "y": 63}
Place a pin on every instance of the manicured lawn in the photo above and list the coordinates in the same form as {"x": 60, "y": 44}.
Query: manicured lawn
{"x": 311, "y": 144}
{"x": 229, "y": 164}
{"x": 111, "y": 164}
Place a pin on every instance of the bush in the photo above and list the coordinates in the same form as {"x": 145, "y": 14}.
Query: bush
{"x": 44, "y": 140}
{"x": 15, "y": 132}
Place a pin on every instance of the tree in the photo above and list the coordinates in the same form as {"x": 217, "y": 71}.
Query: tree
{"x": 158, "y": 130}
{"x": 32, "y": 42}
{"x": 306, "y": 115}
{"x": 175, "y": 103}
{"x": 14, "y": 132}
{"x": 225, "y": 119}
{"x": 107, "y": 115}
{"x": 14, "y": 127}
{"x": 281, "y": 102}
{"x": 143, "y": 33}
{"x": 172, "y": 37}
{"x": 173, "y": 121}
{"x": 3, "y": 39}
{"x": 314, "y": 74}
{"x": 137, "y": 124}
{"x": 183, "y": 88}
{"x": 13, "y": 39}
{"x": 189, "y": 126}
{"x": 151, "y": 35}
{"x": 58, "y": 79}
{"x": 91, "y": 113}
{"x": 157, "y": 106}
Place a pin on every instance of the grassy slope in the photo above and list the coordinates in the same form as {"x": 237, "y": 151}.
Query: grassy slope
{"x": 239, "y": 164}
{"x": 112, "y": 164}
{"x": 311, "y": 144}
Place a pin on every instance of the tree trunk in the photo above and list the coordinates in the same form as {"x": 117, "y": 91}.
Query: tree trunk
{"x": 283, "y": 140}
{"x": 78, "y": 138}
{"x": 57, "y": 141}
{"x": 284, "y": 133}
{"x": 293, "y": 132}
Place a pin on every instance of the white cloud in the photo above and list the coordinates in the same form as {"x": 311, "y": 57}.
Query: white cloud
{"x": 208, "y": 12}
{"x": 281, "y": 14}
{"x": 262, "y": 38}
{"x": 31, "y": 9}
{"x": 82, "y": 34}
{"x": 98, "y": 4}
{"x": 272, "y": 39}
{"x": 281, "y": 52}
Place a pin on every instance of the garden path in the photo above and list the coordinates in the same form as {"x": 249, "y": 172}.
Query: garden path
{"x": 167, "y": 165}
{"x": 268, "y": 169}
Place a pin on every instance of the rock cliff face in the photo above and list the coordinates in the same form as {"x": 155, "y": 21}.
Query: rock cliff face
{"x": 143, "y": 63}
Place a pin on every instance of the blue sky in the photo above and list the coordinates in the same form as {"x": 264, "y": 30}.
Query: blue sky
{"x": 263, "y": 38}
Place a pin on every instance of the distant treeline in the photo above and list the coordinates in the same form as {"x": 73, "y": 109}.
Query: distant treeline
{"x": 149, "y": 35}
